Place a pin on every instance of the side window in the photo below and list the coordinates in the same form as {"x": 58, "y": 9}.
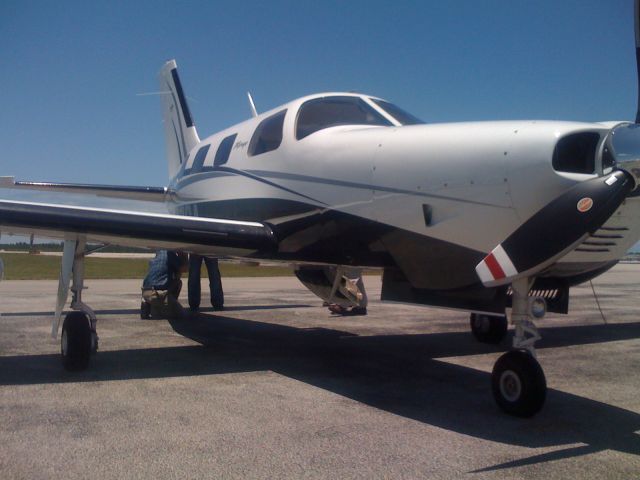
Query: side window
{"x": 198, "y": 160}
{"x": 328, "y": 112}
{"x": 222, "y": 155}
{"x": 268, "y": 135}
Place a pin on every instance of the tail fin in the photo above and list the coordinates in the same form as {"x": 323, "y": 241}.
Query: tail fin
{"x": 179, "y": 130}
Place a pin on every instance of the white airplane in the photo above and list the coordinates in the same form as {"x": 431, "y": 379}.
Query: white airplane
{"x": 475, "y": 216}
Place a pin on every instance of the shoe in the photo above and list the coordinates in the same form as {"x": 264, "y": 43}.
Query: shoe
{"x": 145, "y": 311}
{"x": 194, "y": 309}
{"x": 357, "y": 311}
{"x": 337, "y": 309}
{"x": 218, "y": 308}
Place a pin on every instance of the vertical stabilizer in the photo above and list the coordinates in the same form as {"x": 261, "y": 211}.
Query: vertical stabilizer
{"x": 179, "y": 129}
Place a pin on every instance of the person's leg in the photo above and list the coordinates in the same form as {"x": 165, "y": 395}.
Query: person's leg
{"x": 174, "y": 309}
{"x": 195, "y": 262}
{"x": 156, "y": 300}
{"x": 145, "y": 306}
{"x": 175, "y": 288}
{"x": 215, "y": 283}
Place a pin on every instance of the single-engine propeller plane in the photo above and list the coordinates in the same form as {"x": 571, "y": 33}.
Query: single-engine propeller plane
{"x": 479, "y": 216}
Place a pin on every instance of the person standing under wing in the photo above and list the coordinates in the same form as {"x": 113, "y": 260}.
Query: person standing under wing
{"x": 215, "y": 282}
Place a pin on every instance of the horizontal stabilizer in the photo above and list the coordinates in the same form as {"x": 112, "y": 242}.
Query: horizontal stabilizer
{"x": 148, "y": 194}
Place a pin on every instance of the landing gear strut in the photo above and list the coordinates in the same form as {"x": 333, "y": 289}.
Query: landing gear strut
{"x": 518, "y": 382}
{"x": 79, "y": 338}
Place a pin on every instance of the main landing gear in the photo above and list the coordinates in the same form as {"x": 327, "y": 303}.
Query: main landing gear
{"x": 488, "y": 328}
{"x": 76, "y": 344}
{"x": 518, "y": 382}
{"x": 79, "y": 339}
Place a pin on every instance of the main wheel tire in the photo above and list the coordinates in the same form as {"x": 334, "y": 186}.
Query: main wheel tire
{"x": 518, "y": 384}
{"x": 75, "y": 343}
{"x": 488, "y": 328}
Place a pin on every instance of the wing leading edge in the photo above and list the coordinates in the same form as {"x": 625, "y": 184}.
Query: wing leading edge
{"x": 131, "y": 228}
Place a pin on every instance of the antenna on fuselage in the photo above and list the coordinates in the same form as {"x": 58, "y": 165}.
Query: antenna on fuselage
{"x": 252, "y": 105}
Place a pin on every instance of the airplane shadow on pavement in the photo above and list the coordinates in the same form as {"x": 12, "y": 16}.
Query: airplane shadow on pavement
{"x": 400, "y": 374}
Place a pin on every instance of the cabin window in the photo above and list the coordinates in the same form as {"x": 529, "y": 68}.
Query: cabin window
{"x": 222, "y": 155}
{"x": 576, "y": 153}
{"x": 268, "y": 135}
{"x": 198, "y": 160}
{"x": 404, "y": 118}
{"x": 321, "y": 113}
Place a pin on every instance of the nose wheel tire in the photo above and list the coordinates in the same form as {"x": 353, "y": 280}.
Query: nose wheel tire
{"x": 518, "y": 383}
{"x": 76, "y": 341}
{"x": 488, "y": 328}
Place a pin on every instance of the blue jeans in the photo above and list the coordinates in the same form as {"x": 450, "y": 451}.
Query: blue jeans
{"x": 215, "y": 283}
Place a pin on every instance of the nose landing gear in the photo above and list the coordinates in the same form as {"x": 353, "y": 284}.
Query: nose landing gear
{"x": 518, "y": 382}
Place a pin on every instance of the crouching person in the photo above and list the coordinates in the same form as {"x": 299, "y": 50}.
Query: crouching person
{"x": 161, "y": 287}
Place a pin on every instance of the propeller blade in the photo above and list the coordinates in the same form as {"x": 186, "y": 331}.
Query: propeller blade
{"x": 555, "y": 229}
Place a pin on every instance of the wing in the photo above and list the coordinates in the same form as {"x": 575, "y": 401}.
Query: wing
{"x": 148, "y": 194}
{"x": 141, "y": 229}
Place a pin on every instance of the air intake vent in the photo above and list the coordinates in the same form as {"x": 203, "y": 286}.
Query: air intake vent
{"x": 576, "y": 153}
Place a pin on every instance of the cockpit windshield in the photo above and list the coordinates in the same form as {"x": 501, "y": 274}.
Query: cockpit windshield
{"x": 404, "y": 118}
{"x": 326, "y": 112}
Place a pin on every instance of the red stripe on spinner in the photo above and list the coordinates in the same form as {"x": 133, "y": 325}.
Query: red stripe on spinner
{"x": 494, "y": 267}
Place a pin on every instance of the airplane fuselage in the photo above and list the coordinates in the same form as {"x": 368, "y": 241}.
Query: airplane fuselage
{"x": 429, "y": 199}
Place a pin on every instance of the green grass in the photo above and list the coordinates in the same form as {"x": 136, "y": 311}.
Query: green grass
{"x": 20, "y": 266}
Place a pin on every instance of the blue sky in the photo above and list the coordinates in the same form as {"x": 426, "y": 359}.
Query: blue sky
{"x": 71, "y": 70}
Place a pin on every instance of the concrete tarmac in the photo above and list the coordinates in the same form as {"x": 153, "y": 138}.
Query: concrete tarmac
{"x": 276, "y": 387}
